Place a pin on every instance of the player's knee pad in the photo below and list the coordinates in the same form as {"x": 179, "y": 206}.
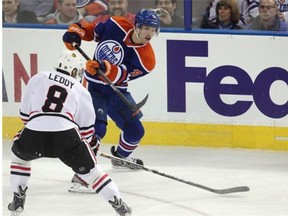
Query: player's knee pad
{"x": 16, "y": 160}
{"x": 100, "y": 128}
{"x": 80, "y": 159}
{"x": 134, "y": 132}
{"x": 20, "y": 153}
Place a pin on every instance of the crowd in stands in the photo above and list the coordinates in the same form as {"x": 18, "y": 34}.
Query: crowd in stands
{"x": 269, "y": 15}
{"x": 266, "y": 15}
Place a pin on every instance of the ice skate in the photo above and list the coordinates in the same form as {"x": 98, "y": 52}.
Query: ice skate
{"x": 120, "y": 207}
{"x": 122, "y": 164}
{"x": 78, "y": 186}
{"x": 17, "y": 205}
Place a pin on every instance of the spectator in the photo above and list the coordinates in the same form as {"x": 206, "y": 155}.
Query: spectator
{"x": 167, "y": 14}
{"x": 94, "y": 8}
{"x": 116, "y": 8}
{"x": 285, "y": 16}
{"x": 11, "y": 13}
{"x": 40, "y": 7}
{"x": 227, "y": 16}
{"x": 248, "y": 11}
{"x": 268, "y": 18}
{"x": 283, "y": 10}
{"x": 66, "y": 13}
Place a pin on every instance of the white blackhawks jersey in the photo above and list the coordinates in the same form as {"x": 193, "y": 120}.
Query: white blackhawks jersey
{"x": 53, "y": 101}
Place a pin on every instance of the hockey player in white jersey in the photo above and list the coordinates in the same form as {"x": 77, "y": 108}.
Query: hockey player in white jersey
{"x": 59, "y": 117}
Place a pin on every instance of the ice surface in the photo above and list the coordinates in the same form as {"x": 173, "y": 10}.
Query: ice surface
{"x": 265, "y": 172}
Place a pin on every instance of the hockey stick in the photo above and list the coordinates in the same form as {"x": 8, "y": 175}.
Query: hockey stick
{"x": 217, "y": 191}
{"x": 133, "y": 107}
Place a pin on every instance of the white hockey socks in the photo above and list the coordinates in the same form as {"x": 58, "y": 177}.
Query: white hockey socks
{"x": 20, "y": 172}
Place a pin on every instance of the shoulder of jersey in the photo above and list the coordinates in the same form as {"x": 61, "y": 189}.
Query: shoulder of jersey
{"x": 147, "y": 57}
{"x": 123, "y": 22}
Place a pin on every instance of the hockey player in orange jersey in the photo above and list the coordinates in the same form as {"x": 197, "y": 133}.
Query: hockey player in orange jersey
{"x": 123, "y": 53}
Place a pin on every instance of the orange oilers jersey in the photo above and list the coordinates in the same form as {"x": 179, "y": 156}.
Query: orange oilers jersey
{"x": 96, "y": 7}
{"x": 129, "y": 61}
{"x": 105, "y": 17}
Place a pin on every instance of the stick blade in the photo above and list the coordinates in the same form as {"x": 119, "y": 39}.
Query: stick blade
{"x": 233, "y": 190}
{"x": 140, "y": 104}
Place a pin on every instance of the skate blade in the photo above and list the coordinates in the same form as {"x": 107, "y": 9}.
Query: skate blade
{"x": 78, "y": 188}
{"x": 125, "y": 167}
{"x": 14, "y": 213}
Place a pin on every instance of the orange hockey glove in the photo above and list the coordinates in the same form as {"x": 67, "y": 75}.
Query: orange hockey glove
{"x": 92, "y": 66}
{"x": 75, "y": 34}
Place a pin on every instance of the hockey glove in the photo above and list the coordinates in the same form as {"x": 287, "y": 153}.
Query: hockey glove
{"x": 75, "y": 34}
{"x": 92, "y": 66}
{"x": 94, "y": 144}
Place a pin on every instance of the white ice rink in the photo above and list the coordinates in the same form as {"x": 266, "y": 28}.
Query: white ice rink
{"x": 148, "y": 194}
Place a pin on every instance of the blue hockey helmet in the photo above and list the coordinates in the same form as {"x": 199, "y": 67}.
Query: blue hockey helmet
{"x": 147, "y": 17}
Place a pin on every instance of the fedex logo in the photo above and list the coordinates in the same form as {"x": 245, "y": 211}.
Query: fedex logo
{"x": 178, "y": 75}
